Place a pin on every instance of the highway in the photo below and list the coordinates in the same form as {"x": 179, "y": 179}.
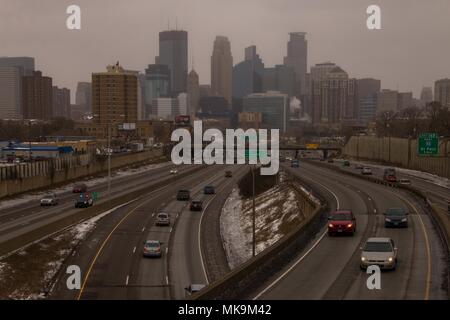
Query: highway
{"x": 29, "y": 215}
{"x": 111, "y": 257}
{"x": 437, "y": 193}
{"x": 329, "y": 267}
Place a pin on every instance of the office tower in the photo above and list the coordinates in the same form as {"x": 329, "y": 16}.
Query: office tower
{"x": 367, "y": 91}
{"x": 405, "y": 100}
{"x": 297, "y": 53}
{"x": 114, "y": 96}
{"x": 173, "y": 52}
{"x": 442, "y": 92}
{"x": 37, "y": 96}
{"x": 222, "y": 69}
{"x": 83, "y": 96}
{"x": 387, "y": 101}
{"x": 12, "y": 69}
{"x": 169, "y": 108}
{"x": 156, "y": 85}
{"x": 247, "y": 75}
{"x": 334, "y": 98}
{"x": 26, "y": 63}
{"x": 279, "y": 78}
{"x": 205, "y": 90}
{"x": 61, "y": 102}
{"x": 273, "y": 107}
{"x": 10, "y": 92}
{"x": 193, "y": 90}
{"x": 426, "y": 95}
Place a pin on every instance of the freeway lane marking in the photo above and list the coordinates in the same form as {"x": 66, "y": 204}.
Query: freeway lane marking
{"x": 303, "y": 256}
{"x": 427, "y": 246}
{"x": 167, "y": 280}
{"x": 134, "y": 250}
{"x": 143, "y": 229}
{"x": 126, "y": 281}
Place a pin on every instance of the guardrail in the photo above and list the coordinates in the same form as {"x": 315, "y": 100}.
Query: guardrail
{"x": 84, "y": 214}
{"x": 245, "y": 279}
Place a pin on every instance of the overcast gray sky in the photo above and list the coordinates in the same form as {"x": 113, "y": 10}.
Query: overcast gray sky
{"x": 412, "y": 50}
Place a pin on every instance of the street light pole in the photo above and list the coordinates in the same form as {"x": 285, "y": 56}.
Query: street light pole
{"x": 109, "y": 157}
{"x": 254, "y": 213}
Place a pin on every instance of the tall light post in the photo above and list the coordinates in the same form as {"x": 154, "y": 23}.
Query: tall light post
{"x": 254, "y": 213}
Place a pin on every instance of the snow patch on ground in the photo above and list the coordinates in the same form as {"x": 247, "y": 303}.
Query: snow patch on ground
{"x": 90, "y": 182}
{"x": 277, "y": 210}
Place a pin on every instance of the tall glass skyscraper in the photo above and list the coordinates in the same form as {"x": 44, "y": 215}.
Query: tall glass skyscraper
{"x": 156, "y": 85}
{"x": 173, "y": 52}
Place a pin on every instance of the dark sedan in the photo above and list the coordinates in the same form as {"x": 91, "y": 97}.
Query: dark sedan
{"x": 396, "y": 218}
{"x": 196, "y": 206}
{"x": 209, "y": 190}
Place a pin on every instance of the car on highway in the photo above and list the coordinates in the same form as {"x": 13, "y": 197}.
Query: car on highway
{"x": 389, "y": 175}
{"x": 193, "y": 288}
{"x": 183, "y": 195}
{"x": 359, "y": 166}
{"x": 79, "y": 188}
{"x": 196, "y": 205}
{"x": 346, "y": 163}
{"x": 341, "y": 222}
{"x": 84, "y": 201}
{"x": 379, "y": 251}
{"x": 295, "y": 163}
{"x": 404, "y": 181}
{"x": 209, "y": 190}
{"x": 152, "y": 249}
{"x": 228, "y": 174}
{"x": 366, "y": 171}
{"x": 162, "y": 219}
{"x": 173, "y": 171}
{"x": 396, "y": 218}
{"x": 49, "y": 200}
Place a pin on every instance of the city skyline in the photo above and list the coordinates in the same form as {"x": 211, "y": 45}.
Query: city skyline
{"x": 398, "y": 54}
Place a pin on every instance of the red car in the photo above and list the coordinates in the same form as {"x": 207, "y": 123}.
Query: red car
{"x": 79, "y": 188}
{"x": 341, "y": 222}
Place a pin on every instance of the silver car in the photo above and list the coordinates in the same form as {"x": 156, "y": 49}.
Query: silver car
{"x": 152, "y": 249}
{"x": 379, "y": 251}
{"x": 162, "y": 219}
{"x": 49, "y": 200}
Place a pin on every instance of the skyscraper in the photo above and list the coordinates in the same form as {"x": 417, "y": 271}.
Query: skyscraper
{"x": 367, "y": 91}
{"x": 426, "y": 95}
{"x": 156, "y": 85}
{"x": 297, "y": 53}
{"x": 83, "y": 96}
{"x": 279, "y": 78}
{"x": 114, "y": 96}
{"x": 222, "y": 68}
{"x": 442, "y": 92}
{"x": 173, "y": 52}
{"x": 37, "y": 96}
{"x": 334, "y": 98}
{"x": 247, "y": 75}
{"x": 12, "y": 69}
{"x": 193, "y": 90}
{"x": 61, "y": 102}
{"x": 273, "y": 107}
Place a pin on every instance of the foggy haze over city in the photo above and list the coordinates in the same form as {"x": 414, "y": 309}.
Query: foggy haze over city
{"x": 409, "y": 52}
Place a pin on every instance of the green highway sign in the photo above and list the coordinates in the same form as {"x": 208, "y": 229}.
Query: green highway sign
{"x": 428, "y": 144}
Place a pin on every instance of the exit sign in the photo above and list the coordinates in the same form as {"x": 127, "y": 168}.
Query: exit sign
{"x": 428, "y": 144}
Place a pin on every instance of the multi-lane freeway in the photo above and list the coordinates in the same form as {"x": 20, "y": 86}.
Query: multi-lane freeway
{"x": 111, "y": 258}
{"x": 329, "y": 267}
{"x": 113, "y": 266}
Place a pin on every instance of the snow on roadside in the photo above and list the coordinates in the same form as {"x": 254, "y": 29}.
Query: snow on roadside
{"x": 67, "y": 240}
{"x": 90, "y": 182}
{"x": 277, "y": 210}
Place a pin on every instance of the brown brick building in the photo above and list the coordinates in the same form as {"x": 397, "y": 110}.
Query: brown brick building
{"x": 37, "y": 96}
